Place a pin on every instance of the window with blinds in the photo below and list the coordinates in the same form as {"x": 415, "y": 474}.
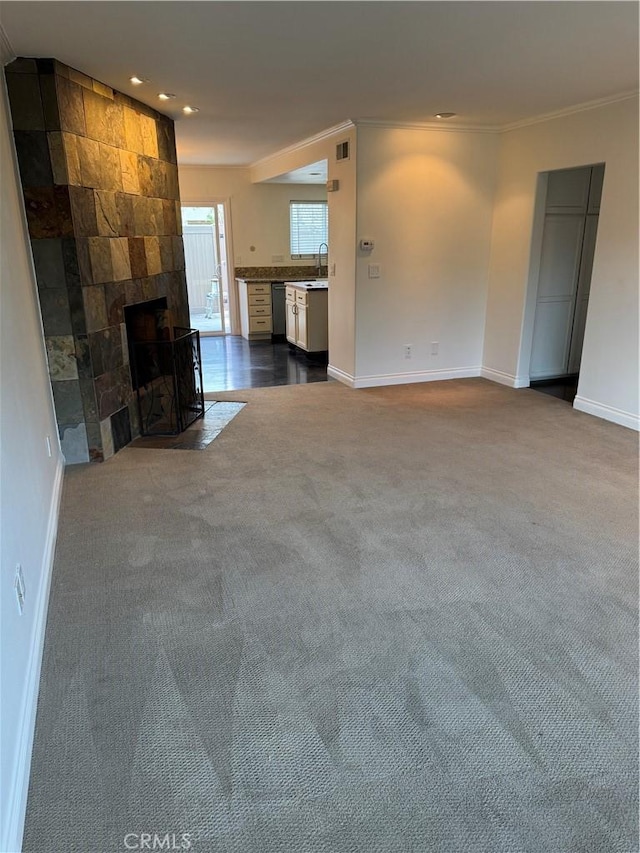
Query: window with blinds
{"x": 309, "y": 222}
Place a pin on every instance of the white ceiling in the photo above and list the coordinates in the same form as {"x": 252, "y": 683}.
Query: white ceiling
{"x": 314, "y": 173}
{"x": 268, "y": 74}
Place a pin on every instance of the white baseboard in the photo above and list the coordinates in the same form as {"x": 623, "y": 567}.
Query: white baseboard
{"x": 505, "y": 378}
{"x": 382, "y": 379}
{"x": 19, "y": 787}
{"x": 340, "y": 375}
{"x": 608, "y": 413}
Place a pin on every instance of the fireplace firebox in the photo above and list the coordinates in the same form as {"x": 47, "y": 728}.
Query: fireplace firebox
{"x": 166, "y": 369}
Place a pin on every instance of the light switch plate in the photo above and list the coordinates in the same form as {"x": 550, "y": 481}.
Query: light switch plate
{"x": 374, "y": 270}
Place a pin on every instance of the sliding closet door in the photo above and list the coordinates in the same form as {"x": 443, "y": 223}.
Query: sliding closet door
{"x": 568, "y": 246}
{"x": 557, "y": 286}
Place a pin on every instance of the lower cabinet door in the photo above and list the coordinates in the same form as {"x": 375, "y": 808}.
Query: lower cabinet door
{"x": 291, "y": 322}
{"x": 301, "y": 329}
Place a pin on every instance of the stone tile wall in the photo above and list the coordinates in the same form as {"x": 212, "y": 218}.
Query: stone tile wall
{"x": 100, "y": 182}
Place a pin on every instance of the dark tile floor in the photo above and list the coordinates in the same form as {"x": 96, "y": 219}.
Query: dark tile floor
{"x": 197, "y": 436}
{"x": 231, "y": 363}
{"x": 564, "y": 388}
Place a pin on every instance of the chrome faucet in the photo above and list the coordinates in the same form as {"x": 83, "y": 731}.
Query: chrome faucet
{"x": 319, "y": 264}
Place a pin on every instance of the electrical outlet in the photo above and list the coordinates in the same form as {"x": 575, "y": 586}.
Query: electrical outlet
{"x": 332, "y": 269}
{"x": 374, "y": 270}
{"x": 434, "y": 347}
{"x": 407, "y": 350}
{"x": 19, "y": 587}
{"x": 48, "y": 443}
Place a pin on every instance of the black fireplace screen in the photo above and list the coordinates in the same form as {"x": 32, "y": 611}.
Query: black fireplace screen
{"x": 168, "y": 379}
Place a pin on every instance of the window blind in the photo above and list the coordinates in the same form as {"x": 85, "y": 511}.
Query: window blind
{"x": 309, "y": 222}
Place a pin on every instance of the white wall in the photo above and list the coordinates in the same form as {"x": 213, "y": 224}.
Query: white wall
{"x": 425, "y": 197}
{"x": 30, "y": 487}
{"x": 342, "y": 258}
{"x": 259, "y": 212}
{"x": 609, "y": 370}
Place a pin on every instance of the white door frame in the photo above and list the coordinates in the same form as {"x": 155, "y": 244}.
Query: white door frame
{"x": 531, "y": 298}
{"x": 234, "y": 308}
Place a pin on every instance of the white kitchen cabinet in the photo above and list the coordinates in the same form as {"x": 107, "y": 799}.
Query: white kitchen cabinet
{"x": 255, "y": 309}
{"x": 302, "y": 330}
{"x": 307, "y": 318}
{"x": 290, "y": 309}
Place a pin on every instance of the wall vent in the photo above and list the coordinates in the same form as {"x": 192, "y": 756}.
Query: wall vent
{"x": 342, "y": 150}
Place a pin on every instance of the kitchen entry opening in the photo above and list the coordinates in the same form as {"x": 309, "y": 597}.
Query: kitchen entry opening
{"x": 204, "y": 232}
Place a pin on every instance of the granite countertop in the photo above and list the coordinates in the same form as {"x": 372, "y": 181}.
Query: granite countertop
{"x": 280, "y": 273}
{"x": 310, "y": 284}
{"x": 289, "y": 278}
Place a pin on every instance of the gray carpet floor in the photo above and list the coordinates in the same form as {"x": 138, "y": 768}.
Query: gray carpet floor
{"x": 399, "y": 619}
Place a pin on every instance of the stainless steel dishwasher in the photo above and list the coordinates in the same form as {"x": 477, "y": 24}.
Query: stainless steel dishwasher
{"x": 278, "y": 315}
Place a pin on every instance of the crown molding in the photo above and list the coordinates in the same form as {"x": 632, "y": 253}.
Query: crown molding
{"x": 217, "y": 166}
{"x": 7, "y": 53}
{"x": 502, "y": 128}
{"x": 442, "y": 126}
{"x": 567, "y": 111}
{"x": 304, "y": 143}
{"x": 439, "y": 127}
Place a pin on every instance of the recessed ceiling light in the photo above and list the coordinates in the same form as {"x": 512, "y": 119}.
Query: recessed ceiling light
{"x": 138, "y": 81}
{"x": 444, "y": 115}
{"x": 166, "y": 96}
{"x": 188, "y": 110}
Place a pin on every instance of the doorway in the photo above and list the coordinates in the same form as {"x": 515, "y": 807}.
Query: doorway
{"x": 205, "y": 237}
{"x": 566, "y": 259}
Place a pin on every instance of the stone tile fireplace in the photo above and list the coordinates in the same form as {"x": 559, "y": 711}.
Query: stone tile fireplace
{"x": 100, "y": 182}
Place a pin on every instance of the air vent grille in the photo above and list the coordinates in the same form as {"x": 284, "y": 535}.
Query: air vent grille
{"x": 342, "y": 150}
